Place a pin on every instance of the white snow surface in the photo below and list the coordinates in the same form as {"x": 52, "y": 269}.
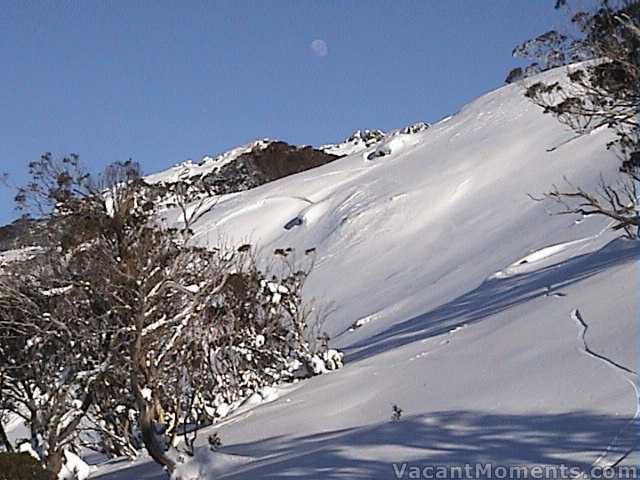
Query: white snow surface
{"x": 438, "y": 256}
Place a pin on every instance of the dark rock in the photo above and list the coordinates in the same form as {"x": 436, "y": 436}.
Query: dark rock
{"x": 263, "y": 165}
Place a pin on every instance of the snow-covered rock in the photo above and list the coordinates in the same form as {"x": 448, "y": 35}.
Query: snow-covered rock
{"x": 357, "y": 142}
{"x": 208, "y": 164}
{"x": 240, "y": 169}
{"x": 415, "y": 128}
{"x": 333, "y": 359}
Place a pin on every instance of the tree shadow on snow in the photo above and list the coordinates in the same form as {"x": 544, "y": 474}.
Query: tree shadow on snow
{"x": 495, "y": 295}
{"x": 441, "y": 438}
{"x": 447, "y": 438}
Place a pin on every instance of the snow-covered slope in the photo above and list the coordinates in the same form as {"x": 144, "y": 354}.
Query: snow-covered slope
{"x": 455, "y": 296}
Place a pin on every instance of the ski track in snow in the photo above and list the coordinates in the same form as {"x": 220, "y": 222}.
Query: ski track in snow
{"x": 631, "y": 377}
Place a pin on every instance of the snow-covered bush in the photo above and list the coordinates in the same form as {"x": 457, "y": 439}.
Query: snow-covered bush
{"x": 123, "y": 335}
{"x": 396, "y": 413}
{"x": 260, "y": 325}
{"x": 53, "y": 349}
{"x": 209, "y": 329}
{"x": 333, "y": 359}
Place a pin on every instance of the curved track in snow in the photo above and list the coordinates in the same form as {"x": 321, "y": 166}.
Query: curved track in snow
{"x": 631, "y": 430}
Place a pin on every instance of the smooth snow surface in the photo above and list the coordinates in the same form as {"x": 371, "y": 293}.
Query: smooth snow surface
{"x": 451, "y": 293}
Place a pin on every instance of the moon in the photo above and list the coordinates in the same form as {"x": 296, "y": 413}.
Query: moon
{"x": 319, "y": 47}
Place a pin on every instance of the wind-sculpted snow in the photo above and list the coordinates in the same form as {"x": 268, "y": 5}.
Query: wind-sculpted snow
{"x": 408, "y": 244}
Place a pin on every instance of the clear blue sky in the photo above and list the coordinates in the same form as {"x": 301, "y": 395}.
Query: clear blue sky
{"x": 164, "y": 81}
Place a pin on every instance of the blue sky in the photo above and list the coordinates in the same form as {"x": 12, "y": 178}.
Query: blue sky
{"x": 164, "y": 81}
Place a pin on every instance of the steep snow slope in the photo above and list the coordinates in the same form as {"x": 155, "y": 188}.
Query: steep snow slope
{"x": 464, "y": 292}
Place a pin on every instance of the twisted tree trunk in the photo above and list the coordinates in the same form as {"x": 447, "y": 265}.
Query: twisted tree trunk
{"x": 145, "y": 406}
{"x": 53, "y": 462}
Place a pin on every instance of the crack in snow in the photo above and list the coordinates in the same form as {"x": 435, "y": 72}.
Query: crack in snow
{"x": 634, "y": 423}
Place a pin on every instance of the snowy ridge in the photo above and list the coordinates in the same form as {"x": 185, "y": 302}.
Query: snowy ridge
{"x": 207, "y": 165}
{"x": 361, "y": 140}
{"x": 357, "y": 142}
{"x": 408, "y": 233}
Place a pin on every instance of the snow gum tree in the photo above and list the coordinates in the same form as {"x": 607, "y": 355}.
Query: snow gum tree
{"x": 603, "y": 91}
{"x": 55, "y": 345}
{"x": 138, "y": 336}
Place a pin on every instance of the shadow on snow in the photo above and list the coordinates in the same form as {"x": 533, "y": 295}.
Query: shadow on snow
{"x": 446, "y": 438}
{"x": 495, "y": 295}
